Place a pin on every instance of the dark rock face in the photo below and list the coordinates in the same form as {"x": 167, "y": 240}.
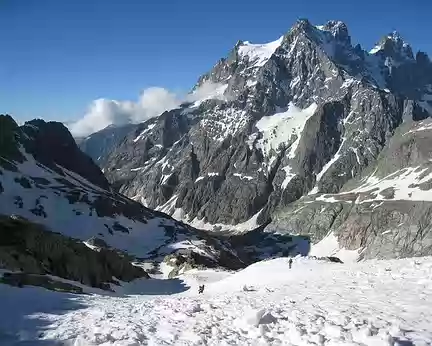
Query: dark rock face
{"x": 289, "y": 127}
{"x": 51, "y": 144}
{"x": 46, "y": 179}
{"x": 9, "y": 138}
{"x": 308, "y": 112}
{"x": 98, "y": 145}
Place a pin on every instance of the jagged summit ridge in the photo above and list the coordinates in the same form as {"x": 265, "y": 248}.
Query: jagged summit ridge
{"x": 301, "y": 116}
{"x": 393, "y": 45}
{"x": 331, "y": 39}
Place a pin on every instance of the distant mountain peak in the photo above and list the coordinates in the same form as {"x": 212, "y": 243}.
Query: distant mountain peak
{"x": 393, "y": 45}
{"x": 335, "y": 24}
{"x": 7, "y": 122}
{"x": 395, "y": 35}
{"x": 302, "y": 23}
{"x": 332, "y": 30}
{"x": 338, "y": 29}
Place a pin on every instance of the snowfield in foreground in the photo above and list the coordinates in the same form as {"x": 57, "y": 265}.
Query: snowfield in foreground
{"x": 314, "y": 303}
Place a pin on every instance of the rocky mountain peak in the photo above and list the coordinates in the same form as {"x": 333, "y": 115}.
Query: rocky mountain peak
{"x": 303, "y": 28}
{"x": 394, "y": 46}
{"x": 57, "y": 131}
{"x": 422, "y": 58}
{"x": 51, "y": 144}
{"x": 338, "y": 29}
{"x": 9, "y": 140}
{"x": 238, "y": 44}
{"x": 302, "y": 24}
{"x": 7, "y": 122}
{"x": 245, "y": 64}
{"x": 333, "y": 30}
{"x": 8, "y": 127}
{"x": 308, "y": 113}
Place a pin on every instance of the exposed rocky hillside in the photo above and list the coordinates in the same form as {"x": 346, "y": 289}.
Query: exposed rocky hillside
{"x": 46, "y": 179}
{"x": 386, "y": 213}
{"x": 99, "y": 145}
{"x": 285, "y": 121}
{"x": 32, "y": 252}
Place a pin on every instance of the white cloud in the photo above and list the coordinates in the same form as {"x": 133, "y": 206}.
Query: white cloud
{"x": 207, "y": 90}
{"x": 103, "y": 112}
{"x": 151, "y": 103}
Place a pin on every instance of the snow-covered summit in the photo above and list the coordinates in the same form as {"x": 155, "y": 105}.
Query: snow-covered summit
{"x": 258, "y": 54}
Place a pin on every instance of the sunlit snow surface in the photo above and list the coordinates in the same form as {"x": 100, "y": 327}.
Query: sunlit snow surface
{"x": 258, "y": 54}
{"x": 405, "y": 183}
{"x": 329, "y": 246}
{"x": 314, "y": 303}
{"x": 280, "y": 127}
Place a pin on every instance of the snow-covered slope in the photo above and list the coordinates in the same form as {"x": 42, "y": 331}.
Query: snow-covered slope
{"x": 258, "y": 54}
{"x": 276, "y": 130}
{"x": 330, "y": 247}
{"x": 314, "y": 303}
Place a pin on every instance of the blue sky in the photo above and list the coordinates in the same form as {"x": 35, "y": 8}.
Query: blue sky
{"x": 58, "y": 55}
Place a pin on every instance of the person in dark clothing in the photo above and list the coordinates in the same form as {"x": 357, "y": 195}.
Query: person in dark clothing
{"x": 201, "y": 289}
{"x": 290, "y": 263}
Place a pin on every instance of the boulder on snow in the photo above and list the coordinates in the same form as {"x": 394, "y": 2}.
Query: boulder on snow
{"x": 185, "y": 259}
{"x": 334, "y": 259}
{"x": 98, "y": 242}
{"x": 248, "y": 288}
{"x": 257, "y": 317}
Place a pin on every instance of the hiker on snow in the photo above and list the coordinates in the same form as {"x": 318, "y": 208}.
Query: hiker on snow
{"x": 290, "y": 263}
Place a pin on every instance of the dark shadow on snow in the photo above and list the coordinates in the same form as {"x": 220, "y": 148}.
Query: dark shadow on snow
{"x": 400, "y": 342}
{"x": 260, "y": 245}
{"x": 20, "y": 307}
{"x": 154, "y": 287}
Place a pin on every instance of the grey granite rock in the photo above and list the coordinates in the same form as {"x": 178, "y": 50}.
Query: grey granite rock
{"x": 375, "y": 220}
{"x": 207, "y": 158}
{"x": 310, "y": 115}
{"x": 45, "y": 179}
